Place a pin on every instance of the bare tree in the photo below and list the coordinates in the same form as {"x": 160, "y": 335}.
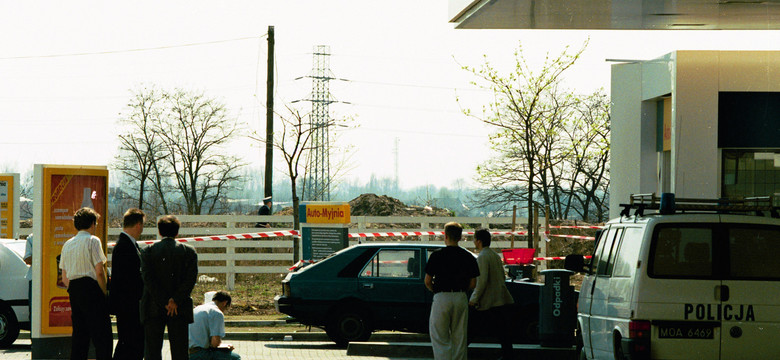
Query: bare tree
{"x": 195, "y": 134}
{"x": 140, "y": 148}
{"x": 176, "y": 143}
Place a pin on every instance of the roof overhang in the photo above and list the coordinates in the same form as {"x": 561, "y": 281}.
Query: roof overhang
{"x": 616, "y": 14}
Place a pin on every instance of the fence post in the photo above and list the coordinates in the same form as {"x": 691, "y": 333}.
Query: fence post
{"x": 424, "y": 225}
{"x": 230, "y": 264}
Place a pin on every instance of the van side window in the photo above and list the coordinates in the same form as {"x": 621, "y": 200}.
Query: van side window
{"x": 628, "y": 253}
{"x": 681, "y": 251}
{"x": 754, "y": 252}
{"x": 606, "y": 244}
{"x": 614, "y": 250}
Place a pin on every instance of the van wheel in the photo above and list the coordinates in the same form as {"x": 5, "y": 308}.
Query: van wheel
{"x": 9, "y": 326}
{"x": 617, "y": 347}
{"x": 348, "y": 325}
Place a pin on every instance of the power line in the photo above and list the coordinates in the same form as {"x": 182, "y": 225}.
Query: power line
{"x": 130, "y": 50}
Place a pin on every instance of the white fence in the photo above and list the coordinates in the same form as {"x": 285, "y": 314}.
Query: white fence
{"x": 279, "y": 250}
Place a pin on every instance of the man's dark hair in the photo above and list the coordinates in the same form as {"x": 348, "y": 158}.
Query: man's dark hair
{"x": 483, "y": 235}
{"x": 84, "y": 218}
{"x": 168, "y": 226}
{"x": 222, "y": 295}
{"x": 453, "y": 231}
{"x": 132, "y": 217}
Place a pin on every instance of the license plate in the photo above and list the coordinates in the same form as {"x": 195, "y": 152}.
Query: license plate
{"x": 686, "y": 331}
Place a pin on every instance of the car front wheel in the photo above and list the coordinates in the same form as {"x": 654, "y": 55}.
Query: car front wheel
{"x": 348, "y": 326}
{"x": 9, "y": 326}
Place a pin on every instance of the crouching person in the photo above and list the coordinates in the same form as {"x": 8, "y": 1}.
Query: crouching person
{"x": 208, "y": 329}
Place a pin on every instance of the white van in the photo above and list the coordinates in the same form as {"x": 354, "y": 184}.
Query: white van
{"x": 692, "y": 284}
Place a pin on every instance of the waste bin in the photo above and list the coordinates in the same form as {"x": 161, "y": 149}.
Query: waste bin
{"x": 519, "y": 272}
{"x": 557, "y": 310}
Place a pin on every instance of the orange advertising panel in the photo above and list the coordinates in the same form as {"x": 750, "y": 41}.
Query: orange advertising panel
{"x": 65, "y": 190}
{"x": 8, "y": 217}
{"x": 327, "y": 214}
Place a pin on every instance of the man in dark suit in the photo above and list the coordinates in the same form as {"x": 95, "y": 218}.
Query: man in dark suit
{"x": 127, "y": 286}
{"x": 169, "y": 270}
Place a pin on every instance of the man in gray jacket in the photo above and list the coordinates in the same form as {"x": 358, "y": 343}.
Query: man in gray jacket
{"x": 491, "y": 298}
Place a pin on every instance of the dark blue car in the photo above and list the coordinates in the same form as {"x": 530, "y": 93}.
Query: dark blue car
{"x": 378, "y": 286}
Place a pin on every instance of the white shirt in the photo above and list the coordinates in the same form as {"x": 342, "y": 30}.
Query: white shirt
{"x": 80, "y": 255}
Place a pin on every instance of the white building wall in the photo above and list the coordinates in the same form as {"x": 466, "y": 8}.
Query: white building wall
{"x": 694, "y": 79}
{"x": 695, "y": 170}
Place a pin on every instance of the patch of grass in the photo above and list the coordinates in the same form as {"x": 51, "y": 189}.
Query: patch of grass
{"x": 253, "y": 296}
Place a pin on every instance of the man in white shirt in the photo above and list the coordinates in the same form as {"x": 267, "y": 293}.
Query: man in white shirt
{"x": 208, "y": 329}
{"x": 83, "y": 265}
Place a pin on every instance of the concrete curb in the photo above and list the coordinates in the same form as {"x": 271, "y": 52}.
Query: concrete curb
{"x": 475, "y": 351}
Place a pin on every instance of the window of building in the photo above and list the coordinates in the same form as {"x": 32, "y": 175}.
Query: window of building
{"x": 750, "y": 173}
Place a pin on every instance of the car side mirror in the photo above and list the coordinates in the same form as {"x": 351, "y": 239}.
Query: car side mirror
{"x": 575, "y": 263}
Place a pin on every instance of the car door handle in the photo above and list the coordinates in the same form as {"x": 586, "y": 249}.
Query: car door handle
{"x": 368, "y": 286}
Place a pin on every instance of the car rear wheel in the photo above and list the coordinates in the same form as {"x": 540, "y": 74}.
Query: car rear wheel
{"x": 348, "y": 325}
{"x": 9, "y": 326}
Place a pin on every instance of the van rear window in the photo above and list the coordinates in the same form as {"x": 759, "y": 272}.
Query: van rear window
{"x": 754, "y": 252}
{"x": 681, "y": 252}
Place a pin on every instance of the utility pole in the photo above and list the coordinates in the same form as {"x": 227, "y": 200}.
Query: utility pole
{"x": 269, "y": 117}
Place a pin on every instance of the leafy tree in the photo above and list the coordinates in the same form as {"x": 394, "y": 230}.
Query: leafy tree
{"x": 541, "y": 129}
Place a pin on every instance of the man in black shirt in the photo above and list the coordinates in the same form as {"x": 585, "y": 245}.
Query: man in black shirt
{"x": 449, "y": 273}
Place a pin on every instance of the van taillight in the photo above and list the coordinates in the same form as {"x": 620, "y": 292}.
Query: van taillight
{"x": 639, "y": 329}
{"x": 638, "y": 344}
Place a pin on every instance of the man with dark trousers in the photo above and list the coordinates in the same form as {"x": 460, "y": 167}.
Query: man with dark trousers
{"x": 127, "y": 286}
{"x": 169, "y": 270}
{"x": 83, "y": 266}
{"x": 449, "y": 273}
{"x": 491, "y": 299}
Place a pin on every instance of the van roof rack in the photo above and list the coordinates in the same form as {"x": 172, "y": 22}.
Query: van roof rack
{"x": 668, "y": 204}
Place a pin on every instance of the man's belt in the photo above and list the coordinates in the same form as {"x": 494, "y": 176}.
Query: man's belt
{"x": 195, "y": 349}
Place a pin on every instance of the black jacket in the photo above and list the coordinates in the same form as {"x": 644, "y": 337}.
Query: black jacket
{"x": 169, "y": 270}
{"x": 126, "y": 284}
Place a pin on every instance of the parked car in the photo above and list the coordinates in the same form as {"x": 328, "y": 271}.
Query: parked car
{"x": 696, "y": 284}
{"x": 14, "y": 311}
{"x": 375, "y": 286}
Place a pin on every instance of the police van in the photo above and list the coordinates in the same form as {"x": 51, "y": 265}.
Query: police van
{"x": 694, "y": 279}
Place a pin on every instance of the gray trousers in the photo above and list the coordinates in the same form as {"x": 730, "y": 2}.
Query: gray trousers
{"x": 448, "y": 324}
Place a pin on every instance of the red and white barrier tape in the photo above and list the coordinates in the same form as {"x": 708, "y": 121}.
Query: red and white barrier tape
{"x": 575, "y": 227}
{"x": 556, "y": 258}
{"x": 572, "y": 236}
{"x": 428, "y": 233}
{"x": 246, "y": 236}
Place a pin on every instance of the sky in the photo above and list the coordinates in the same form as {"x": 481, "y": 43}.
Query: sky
{"x": 68, "y": 69}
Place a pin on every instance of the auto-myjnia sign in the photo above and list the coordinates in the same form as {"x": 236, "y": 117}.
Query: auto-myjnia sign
{"x": 324, "y": 228}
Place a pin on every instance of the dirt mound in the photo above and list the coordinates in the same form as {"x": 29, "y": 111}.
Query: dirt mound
{"x": 383, "y": 205}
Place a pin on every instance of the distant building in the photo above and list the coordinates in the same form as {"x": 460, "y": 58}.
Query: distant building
{"x": 700, "y": 124}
